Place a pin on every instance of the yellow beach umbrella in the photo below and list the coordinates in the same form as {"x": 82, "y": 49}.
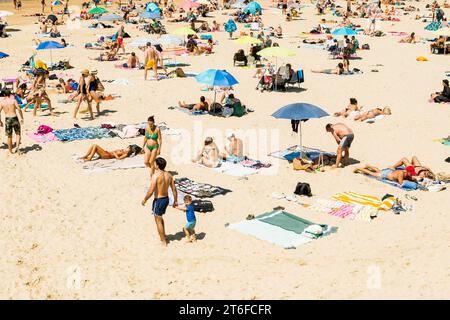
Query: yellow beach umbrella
{"x": 184, "y": 31}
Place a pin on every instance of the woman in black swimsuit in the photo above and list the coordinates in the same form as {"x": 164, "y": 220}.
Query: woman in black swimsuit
{"x": 94, "y": 85}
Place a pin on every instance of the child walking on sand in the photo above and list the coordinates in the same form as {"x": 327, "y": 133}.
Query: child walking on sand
{"x": 188, "y": 229}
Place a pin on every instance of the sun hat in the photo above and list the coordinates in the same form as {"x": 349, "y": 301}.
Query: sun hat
{"x": 85, "y": 72}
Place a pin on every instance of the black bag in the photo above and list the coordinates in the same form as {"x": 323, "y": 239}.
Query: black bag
{"x": 303, "y": 189}
{"x": 202, "y": 205}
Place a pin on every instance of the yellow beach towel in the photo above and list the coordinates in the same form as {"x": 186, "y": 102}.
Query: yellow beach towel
{"x": 363, "y": 199}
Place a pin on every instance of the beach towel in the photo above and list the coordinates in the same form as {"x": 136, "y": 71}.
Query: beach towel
{"x": 281, "y": 228}
{"x": 358, "y": 198}
{"x": 344, "y": 210}
{"x": 42, "y": 138}
{"x": 433, "y": 26}
{"x": 235, "y": 169}
{"x": 407, "y": 185}
{"x": 373, "y": 120}
{"x": 112, "y": 164}
{"x": 31, "y": 106}
{"x": 189, "y": 112}
{"x": 83, "y": 133}
{"x": 199, "y": 190}
{"x": 318, "y": 46}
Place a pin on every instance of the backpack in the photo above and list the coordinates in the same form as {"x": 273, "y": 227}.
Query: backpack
{"x": 365, "y": 47}
{"x": 303, "y": 189}
{"x": 202, "y": 205}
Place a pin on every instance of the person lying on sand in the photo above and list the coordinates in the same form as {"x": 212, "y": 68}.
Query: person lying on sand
{"x": 200, "y": 106}
{"x": 339, "y": 70}
{"x": 234, "y": 147}
{"x": 108, "y": 56}
{"x": 209, "y": 155}
{"x": 371, "y": 114}
{"x": 415, "y": 168}
{"x": 350, "y": 111}
{"x": 116, "y": 154}
{"x": 390, "y": 174}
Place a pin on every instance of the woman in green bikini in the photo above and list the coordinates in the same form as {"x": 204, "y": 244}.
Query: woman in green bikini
{"x": 152, "y": 144}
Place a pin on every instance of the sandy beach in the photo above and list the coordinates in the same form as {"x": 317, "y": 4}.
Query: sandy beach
{"x": 60, "y": 225}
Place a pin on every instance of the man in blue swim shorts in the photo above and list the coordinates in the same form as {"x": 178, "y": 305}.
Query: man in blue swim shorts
{"x": 159, "y": 187}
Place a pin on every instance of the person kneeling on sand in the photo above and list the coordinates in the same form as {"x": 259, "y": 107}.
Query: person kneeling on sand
{"x": 116, "y": 154}
{"x": 344, "y": 137}
{"x": 385, "y": 174}
{"x": 189, "y": 228}
{"x": 234, "y": 149}
{"x": 209, "y": 155}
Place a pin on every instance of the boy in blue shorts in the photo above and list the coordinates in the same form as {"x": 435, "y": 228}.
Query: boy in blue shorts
{"x": 188, "y": 229}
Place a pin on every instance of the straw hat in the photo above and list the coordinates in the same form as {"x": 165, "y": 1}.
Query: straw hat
{"x": 85, "y": 72}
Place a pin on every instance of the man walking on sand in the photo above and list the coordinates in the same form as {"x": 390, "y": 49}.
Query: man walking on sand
{"x": 10, "y": 107}
{"x": 344, "y": 137}
{"x": 159, "y": 186}
{"x": 150, "y": 62}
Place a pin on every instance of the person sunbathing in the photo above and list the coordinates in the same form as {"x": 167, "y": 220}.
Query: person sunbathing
{"x": 351, "y": 110}
{"x": 234, "y": 149}
{"x": 109, "y": 56}
{"x": 338, "y": 70}
{"x": 209, "y": 155}
{"x": 390, "y": 174}
{"x": 415, "y": 168}
{"x": 200, "y": 106}
{"x": 371, "y": 114}
{"x": 105, "y": 155}
{"x": 409, "y": 39}
{"x": 278, "y": 32}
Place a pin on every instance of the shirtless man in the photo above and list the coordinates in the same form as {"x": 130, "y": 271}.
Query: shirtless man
{"x": 10, "y": 106}
{"x": 159, "y": 186}
{"x": 344, "y": 137}
{"x": 151, "y": 61}
{"x": 120, "y": 34}
{"x": 390, "y": 174}
{"x": 200, "y": 106}
{"x": 133, "y": 61}
{"x": 234, "y": 148}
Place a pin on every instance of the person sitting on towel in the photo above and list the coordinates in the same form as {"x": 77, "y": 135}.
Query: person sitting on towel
{"x": 132, "y": 62}
{"x": 443, "y": 96}
{"x": 200, "y": 106}
{"x": 116, "y": 154}
{"x": 390, "y": 174}
{"x": 234, "y": 149}
{"x": 209, "y": 155}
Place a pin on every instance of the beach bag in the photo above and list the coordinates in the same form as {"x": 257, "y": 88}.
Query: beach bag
{"x": 300, "y": 76}
{"x": 365, "y": 47}
{"x": 100, "y": 86}
{"x": 43, "y": 129}
{"x": 202, "y": 206}
{"x": 180, "y": 73}
{"x": 303, "y": 189}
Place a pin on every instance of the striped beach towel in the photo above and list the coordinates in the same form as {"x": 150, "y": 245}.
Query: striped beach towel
{"x": 366, "y": 200}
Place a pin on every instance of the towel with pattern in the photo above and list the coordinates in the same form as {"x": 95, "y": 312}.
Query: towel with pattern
{"x": 73, "y": 134}
{"x": 199, "y": 190}
{"x": 366, "y": 200}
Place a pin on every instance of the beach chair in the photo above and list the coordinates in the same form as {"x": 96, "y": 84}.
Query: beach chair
{"x": 297, "y": 78}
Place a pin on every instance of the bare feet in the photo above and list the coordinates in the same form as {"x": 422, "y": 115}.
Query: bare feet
{"x": 357, "y": 170}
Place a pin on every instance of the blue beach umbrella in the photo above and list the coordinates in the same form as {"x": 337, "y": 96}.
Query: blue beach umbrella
{"x": 3, "y": 55}
{"x": 152, "y": 7}
{"x": 216, "y": 78}
{"x": 49, "y": 45}
{"x": 150, "y": 15}
{"x": 344, "y": 32}
{"x": 253, "y": 7}
{"x": 299, "y": 111}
